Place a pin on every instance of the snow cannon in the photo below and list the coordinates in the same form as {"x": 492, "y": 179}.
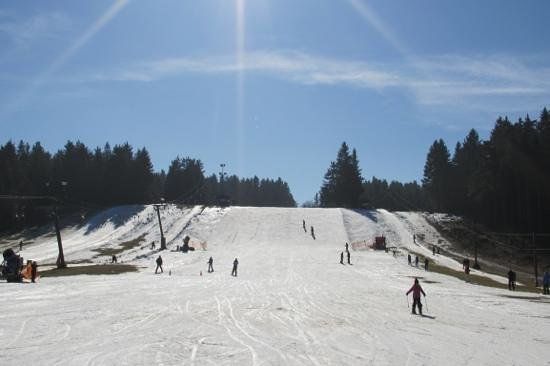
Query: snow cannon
{"x": 11, "y": 267}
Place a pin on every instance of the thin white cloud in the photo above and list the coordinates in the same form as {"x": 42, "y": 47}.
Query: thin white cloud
{"x": 294, "y": 66}
{"x": 24, "y": 32}
{"x": 453, "y": 79}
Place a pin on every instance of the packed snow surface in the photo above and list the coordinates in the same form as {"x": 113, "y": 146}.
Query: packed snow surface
{"x": 292, "y": 303}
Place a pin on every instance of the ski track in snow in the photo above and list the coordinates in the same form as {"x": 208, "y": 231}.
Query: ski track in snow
{"x": 291, "y": 304}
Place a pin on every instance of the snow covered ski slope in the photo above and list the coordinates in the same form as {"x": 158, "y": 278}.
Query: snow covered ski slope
{"x": 291, "y": 304}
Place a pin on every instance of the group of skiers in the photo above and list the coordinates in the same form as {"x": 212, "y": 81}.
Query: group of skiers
{"x": 347, "y": 254}
{"x": 210, "y": 266}
{"x": 416, "y": 260}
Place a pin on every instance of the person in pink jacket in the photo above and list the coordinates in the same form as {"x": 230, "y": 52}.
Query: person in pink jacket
{"x": 416, "y": 289}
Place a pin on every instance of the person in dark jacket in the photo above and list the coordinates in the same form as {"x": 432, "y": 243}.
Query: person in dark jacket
{"x": 416, "y": 261}
{"x": 347, "y": 247}
{"x": 159, "y": 265}
{"x": 416, "y": 289}
{"x": 235, "y": 265}
{"x": 409, "y": 259}
{"x": 313, "y": 232}
{"x": 304, "y": 225}
{"x": 511, "y": 280}
{"x": 349, "y": 258}
{"x": 341, "y": 257}
{"x": 210, "y": 265}
{"x": 426, "y": 262}
{"x": 546, "y": 283}
{"x": 34, "y": 267}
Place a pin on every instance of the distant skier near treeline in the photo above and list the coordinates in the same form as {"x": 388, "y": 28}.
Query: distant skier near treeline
{"x": 341, "y": 257}
{"x": 304, "y": 225}
{"x": 210, "y": 265}
{"x": 511, "y": 280}
{"x": 546, "y": 283}
{"x": 416, "y": 289}
{"x": 159, "y": 265}
{"x": 313, "y": 233}
{"x": 235, "y": 265}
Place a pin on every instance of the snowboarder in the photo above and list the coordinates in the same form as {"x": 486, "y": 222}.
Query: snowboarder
{"x": 210, "y": 267}
{"x": 234, "y": 271}
{"x": 546, "y": 283}
{"x": 347, "y": 247}
{"x": 416, "y": 261}
{"x": 159, "y": 265}
{"x": 34, "y": 266}
{"x": 409, "y": 259}
{"x": 426, "y": 262}
{"x": 304, "y": 225}
{"x": 349, "y": 259}
{"x": 312, "y": 233}
{"x": 416, "y": 289}
{"x": 341, "y": 257}
{"x": 511, "y": 280}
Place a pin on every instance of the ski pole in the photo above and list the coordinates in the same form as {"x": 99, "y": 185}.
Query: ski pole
{"x": 426, "y": 301}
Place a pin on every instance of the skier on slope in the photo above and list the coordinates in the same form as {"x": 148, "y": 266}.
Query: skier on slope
{"x": 409, "y": 259}
{"x": 159, "y": 265}
{"x": 416, "y": 261}
{"x": 426, "y": 262}
{"x": 210, "y": 267}
{"x": 347, "y": 247}
{"x": 304, "y": 225}
{"x": 341, "y": 257}
{"x": 416, "y": 289}
{"x": 312, "y": 232}
{"x": 511, "y": 280}
{"x": 546, "y": 283}
{"x": 234, "y": 271}
{"x": 349, "y": 258}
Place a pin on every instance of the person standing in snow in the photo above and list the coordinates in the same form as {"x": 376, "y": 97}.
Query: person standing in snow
{"x": 414, "y": 238}
{"x": 304, "y": 225}
{"x": 409, "y": 259}
{"x": 426, "y": 262}
{"x": 234, "y": 271}
{"x": 511, "y": 280}
{"x": 546, "y": 283}
{"x": 347, "y": 247}
{"x": 159, "y": 265}
{"x": 416, "y": 289}
{"x": 341, "y": 257}
{"x": 210, "y": 265}
{"x": 416, "y": 261}
{"x": 21, "y": 245}
{"x": 34, "y": 267}
{"x": 313, "y": 233}
{"x": 349, "y": 258}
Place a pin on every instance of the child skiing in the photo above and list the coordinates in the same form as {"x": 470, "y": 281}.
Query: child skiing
{"x": 416, "y": 289}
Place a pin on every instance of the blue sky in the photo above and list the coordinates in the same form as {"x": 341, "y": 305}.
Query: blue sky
{"x": 271, "y": 87}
